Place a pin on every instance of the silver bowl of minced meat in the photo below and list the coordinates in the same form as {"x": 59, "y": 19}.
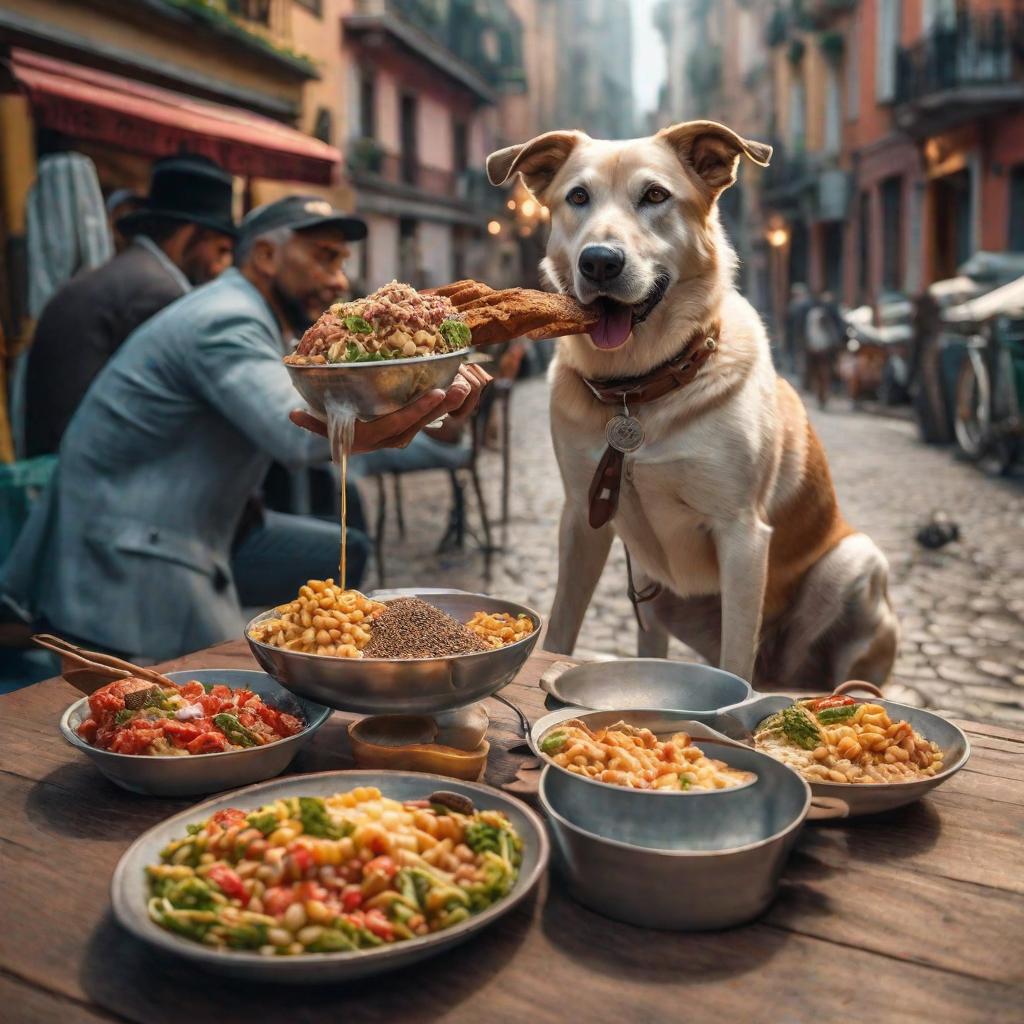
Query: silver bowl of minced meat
{"x": 392, "y": 675}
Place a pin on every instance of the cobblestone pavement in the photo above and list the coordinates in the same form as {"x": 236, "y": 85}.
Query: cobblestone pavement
{"x": 961, "y": 608}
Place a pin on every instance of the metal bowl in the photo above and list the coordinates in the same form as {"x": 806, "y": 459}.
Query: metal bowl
{"x": 698, "y": 691}
{"x": 374, "y": 389}
{"x": 872, "y": 798}
{"x": 203, "y": 773}
{"x": 696, "y": 819}
{"x": 128, "y": 888}
{"x": 689, "y": 872}
{"x": 384, "y": 686}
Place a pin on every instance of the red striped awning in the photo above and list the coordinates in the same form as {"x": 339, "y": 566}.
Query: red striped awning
{"x": 85, "y": 103}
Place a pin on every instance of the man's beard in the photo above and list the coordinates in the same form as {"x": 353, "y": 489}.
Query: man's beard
{"x": 295, "y": 313}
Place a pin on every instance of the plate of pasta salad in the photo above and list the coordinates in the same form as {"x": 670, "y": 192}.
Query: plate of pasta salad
{"x": 330, "y": 876}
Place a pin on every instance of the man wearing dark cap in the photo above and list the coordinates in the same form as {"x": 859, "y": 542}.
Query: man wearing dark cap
{"x": 181, "y": 235}
{"x": 131, "y": 547}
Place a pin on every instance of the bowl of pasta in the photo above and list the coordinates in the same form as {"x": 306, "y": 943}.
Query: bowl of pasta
{"x": 329, "y": 877}
{"x": 688, "y": 861}
{"x": 863, "y": 754}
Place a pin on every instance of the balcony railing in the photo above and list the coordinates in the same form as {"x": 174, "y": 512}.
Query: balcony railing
{"x": 974, "y": 50}
{"x": 370, "y": 164}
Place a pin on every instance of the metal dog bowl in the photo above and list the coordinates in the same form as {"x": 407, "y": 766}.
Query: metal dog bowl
{"x": 129, "y": 897}
{"x": 693, "y": 873}
{"x": 698, "y": 691}
{"x": 407, "y": 686}
{"x": 872, "y": 798}
{"x": 374, "y": 389}
{"x": 203, "y": 773}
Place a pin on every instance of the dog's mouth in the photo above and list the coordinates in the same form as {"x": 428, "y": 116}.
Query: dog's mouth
{"x": 617, "y": 320}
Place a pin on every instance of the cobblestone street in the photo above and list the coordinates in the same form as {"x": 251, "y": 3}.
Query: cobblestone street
{"x": 961, "y": 608}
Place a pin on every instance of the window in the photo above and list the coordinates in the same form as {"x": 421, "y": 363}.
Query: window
{"x": 251, "y": 10}
{"x": 892, "y": 233}
{"x": 863, "y": 249}
{"x": 407, "y": 116}
{"x": 797, "y": 112}
{"x": 1015, "y": 243}
{"x": 313, "y": 6}
{"x": 460, "y": 146}
{"x": 887, "y": 39}
{"x": 367, "y": 104}
{"x": 833, "y": 111}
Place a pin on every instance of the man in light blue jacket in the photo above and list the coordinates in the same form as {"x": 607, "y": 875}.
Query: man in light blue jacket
{"x": 130, "y": 550}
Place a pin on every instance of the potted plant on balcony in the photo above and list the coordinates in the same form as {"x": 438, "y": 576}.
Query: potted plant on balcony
{"x": 366, "y": 154}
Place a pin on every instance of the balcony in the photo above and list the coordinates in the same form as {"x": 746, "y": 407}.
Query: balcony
{"x": 971, "y": 68}
{"x": 467, "y": 194}
{"x": 808, "y": 185}
{"x": 477, "y": 46}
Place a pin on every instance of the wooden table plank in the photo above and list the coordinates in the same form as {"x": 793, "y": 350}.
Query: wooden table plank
{"x": 878, "y": 917}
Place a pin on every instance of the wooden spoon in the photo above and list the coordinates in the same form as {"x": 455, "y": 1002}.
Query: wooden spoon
{"x": 87, "y": 670}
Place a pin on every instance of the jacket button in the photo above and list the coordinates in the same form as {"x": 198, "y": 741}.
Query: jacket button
{"x": 154, "y": 536}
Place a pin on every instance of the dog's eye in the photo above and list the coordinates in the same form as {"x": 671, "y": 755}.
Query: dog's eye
{"x": 655, "y": 194}
{"x": 578, "y": 196}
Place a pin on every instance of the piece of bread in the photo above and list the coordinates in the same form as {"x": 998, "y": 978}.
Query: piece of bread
{"x": 496, "y": 316}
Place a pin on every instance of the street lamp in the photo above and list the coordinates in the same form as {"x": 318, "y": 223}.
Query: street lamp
{"x": 777, "y": 237}
{"x": 494, "y": 227}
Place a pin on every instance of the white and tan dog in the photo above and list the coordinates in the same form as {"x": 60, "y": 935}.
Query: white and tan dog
{"x": 728, "y": 504}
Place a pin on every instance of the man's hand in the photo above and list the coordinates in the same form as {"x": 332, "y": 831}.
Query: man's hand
{"x": 397, "y": 429}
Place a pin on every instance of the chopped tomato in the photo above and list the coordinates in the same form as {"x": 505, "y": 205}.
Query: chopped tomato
{"x": 288, "y": 725}
{"x": 840, "y": 701}
{"x": 310, "y": 891}
{"x": 181, "y": 733}
{"x": 221, "y": 691}
{"x": 383, "y": 866}
{"x": 351, "y": 898}
{"x": 228, "y": 881}
{"x": 207, "y": 743}
{"x": 277, "y": 899}
{"x": 247, "y": 718}
{"x": 193, "y": 691}
{"x": 379, "y": 925}
{"x": 87, "y": 730}
{"x": 133, "y": 741}
{"x": 228, "y": 817}
{"x": 240, "y": 697}
{"x": 106, "y": 701}
{"x": 301, "y": 855}
{"x": 210, "y": 704}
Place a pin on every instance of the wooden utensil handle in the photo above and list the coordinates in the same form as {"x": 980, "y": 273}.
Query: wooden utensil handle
{"x": 66, "y": 649}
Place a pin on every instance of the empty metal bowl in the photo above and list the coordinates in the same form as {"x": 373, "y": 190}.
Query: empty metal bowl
{"x": 698, "y": 691}
{"x": 374, "y": 389}
{"x": 203, "y": 773}
{"x": 872, "y": 798}
{"x": 687, "y": 872}
{"x": 407, "y": 686}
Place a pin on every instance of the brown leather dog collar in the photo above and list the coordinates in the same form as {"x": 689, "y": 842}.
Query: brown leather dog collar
{"x": 633, "y": 391}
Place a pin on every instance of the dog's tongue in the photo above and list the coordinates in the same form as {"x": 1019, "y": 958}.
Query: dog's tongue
{"x": 613, "y": 328}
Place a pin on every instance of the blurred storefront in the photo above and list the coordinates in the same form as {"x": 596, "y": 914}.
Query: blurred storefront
{"x": 127, "y": 83}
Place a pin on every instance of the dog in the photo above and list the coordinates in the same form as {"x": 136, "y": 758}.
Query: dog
{"x": 726, "y": 507}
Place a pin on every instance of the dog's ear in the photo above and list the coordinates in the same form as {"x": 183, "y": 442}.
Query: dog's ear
{"x": 712, "y": 151}
{"x": 538, "y": 160}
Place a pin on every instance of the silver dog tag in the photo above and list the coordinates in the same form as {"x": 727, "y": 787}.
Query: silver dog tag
{"x": 624, "y": 433}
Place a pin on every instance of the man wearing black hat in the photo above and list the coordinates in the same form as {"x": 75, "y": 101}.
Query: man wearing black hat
{"x": 181, "y": 235}
{"x": 133, "y": 547}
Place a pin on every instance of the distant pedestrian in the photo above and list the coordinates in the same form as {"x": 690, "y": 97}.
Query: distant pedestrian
{"x": 823, "y": 337}
{"x": 182, "y": 235}
{"x": 120, "y": 203}
{"x": 796, "y": 324}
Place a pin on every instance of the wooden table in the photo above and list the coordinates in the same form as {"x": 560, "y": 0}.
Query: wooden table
{"x": 915, "y": 916}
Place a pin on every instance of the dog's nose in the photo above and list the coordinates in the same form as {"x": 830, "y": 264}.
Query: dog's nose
{"x": 601, "y": 263}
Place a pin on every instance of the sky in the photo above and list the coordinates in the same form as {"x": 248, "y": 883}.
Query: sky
{"x": 648, "y": 56}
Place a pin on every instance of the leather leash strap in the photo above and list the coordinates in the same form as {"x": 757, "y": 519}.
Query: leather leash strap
{"x": 633, "y": 391}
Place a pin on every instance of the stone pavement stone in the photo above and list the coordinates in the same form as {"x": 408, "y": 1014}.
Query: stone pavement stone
{"x": 961, "y": 608}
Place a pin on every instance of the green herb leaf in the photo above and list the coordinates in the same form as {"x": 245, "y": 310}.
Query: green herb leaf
{"x": 829, "y": 716}
{"x": 125, "y": 715}
{"x": 800, "y": 728}
{"x": 354, "y": 354}
{"x": 684, "y": 781}
{"x": 456, "y": 334}
{"x": 234, "y": 730}
{"x": 553, "y": 742}
{"x": 357, "y": 325}
{"x": 265, "y": 821}
{"x": 316, "y": 821}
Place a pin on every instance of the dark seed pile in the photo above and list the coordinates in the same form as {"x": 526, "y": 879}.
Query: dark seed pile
{"x": 411, "y": 628}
